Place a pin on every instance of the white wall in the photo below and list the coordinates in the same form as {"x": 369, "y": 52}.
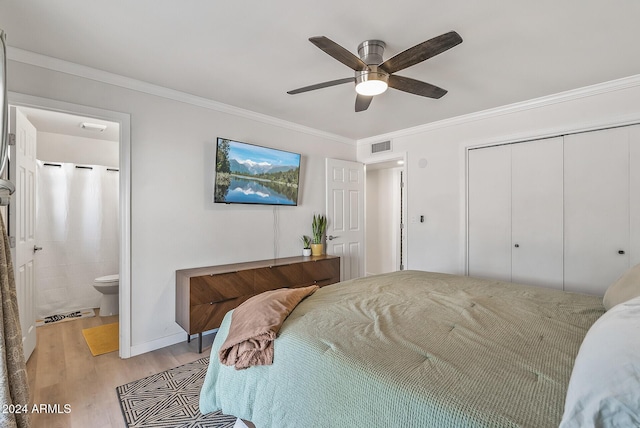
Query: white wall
{"x": 437, "y": 190}
{"x": 54, "y": 147}
{"x": 174, "y": 224}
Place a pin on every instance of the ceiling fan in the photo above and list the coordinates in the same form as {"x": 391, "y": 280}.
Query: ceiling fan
{"x": 373, "y": 76}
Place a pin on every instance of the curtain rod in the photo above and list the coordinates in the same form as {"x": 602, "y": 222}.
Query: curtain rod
{"x": 59, "y": 165}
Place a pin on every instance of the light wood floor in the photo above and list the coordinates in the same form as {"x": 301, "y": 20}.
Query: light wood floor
{"x": 62, "y": 371}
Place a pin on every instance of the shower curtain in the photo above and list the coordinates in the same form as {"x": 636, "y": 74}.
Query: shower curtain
{"x": 77, "y": 227}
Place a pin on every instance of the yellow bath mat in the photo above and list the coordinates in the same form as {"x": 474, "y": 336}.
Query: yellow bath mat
{"x": 102, "y": 339}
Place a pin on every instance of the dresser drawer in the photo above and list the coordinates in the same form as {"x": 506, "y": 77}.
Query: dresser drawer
{"x": 221, "y": 287}
{"x": 322, "y": 272}
{"x": 271, "y": 278}
{"x": 208, "y": 316}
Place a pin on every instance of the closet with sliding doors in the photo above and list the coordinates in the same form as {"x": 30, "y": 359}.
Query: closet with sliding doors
{"x": 560, "y": 212}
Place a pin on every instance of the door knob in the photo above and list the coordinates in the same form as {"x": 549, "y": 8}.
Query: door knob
{"x": 331, "y": 237}
{"x": 517, "y": 245}
{"x": 36, "y": 249}
{"x": 620, "y": 251}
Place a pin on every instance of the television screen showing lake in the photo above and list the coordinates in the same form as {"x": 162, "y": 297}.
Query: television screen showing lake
{"x": 246, "y": 191}
{"x": 249, "y": 174}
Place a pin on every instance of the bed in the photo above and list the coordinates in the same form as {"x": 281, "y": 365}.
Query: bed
{"x": 413, "y": 349}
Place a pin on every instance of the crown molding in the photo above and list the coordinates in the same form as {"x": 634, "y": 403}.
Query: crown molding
{"x": 55, "y": 64}
{"x": 573, "y": 94}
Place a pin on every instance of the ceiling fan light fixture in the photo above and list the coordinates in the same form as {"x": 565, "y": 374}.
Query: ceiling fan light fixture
{"x": 371, "y": 87}
{"x": 371, "y": 82}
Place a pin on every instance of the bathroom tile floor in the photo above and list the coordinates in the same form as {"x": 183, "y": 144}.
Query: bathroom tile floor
{"x": 62, "y": 371}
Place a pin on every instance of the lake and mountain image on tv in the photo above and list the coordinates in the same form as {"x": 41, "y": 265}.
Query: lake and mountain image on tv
{"x": 250, "y": 174}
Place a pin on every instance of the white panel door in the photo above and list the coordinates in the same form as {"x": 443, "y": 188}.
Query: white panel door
{"x": 489, "y": 213}
{"x": 22, "y": 223}
{"x": 537, "y": 213}
{"x": 596, "y": 246}
{"x": 345, "y": 215}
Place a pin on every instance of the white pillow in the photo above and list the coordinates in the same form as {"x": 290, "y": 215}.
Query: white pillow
{"x": 604, "y": 390}
{"x": 625, "y": 288}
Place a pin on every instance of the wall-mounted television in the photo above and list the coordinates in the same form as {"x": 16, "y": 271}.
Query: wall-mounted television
{"x": 250, "y": 174}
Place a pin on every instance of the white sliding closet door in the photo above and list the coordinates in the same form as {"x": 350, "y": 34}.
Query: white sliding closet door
{"x": 515, "y": 213}
{"x": 489, "y": 215}
{"x": 597, "y": 240}
{"x": 536, "y": 211}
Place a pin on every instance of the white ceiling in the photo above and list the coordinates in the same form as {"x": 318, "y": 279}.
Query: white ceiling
{"x": 248, "y": 54}
{"x": 68, "y": 124}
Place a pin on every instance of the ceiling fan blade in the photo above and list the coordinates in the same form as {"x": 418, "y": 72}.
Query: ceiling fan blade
{"x": 362, "y": 102}
{"x": 338, "y": 52}
{"x": 421, "y": 52}
{"x": 322, "y": 85}
{"x": 416, "y": 87}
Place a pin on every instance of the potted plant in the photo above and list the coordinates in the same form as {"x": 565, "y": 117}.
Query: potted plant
{"x": 318, "y": 228}
{"x": 306, "y": 242}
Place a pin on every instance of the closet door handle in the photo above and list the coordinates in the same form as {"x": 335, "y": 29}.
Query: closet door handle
{"x": 517, "y": 245}
{"x": 36, "y": 249}
{"x": 620, "y": 251}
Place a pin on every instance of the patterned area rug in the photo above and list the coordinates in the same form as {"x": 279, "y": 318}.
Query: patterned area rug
{"x": 84, "y": 313}
{"x": 170, "y": 399}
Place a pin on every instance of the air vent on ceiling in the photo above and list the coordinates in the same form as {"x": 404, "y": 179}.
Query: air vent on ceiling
{"x": 384, "y": 146}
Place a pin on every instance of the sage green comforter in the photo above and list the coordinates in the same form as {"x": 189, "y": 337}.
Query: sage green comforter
{"x": 412, "y": 349}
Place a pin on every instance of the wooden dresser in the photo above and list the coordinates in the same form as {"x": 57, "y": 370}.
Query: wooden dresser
{"x": 204, "y": 295}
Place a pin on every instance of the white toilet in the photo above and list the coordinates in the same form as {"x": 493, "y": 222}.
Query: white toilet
{"x": 109, "y": 287}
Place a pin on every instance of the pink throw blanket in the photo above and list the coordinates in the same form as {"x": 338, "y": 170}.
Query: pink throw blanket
{"x": 255, "y": 324}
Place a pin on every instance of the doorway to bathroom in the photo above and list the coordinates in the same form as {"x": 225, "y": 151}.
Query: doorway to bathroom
{"x": 67, "y": 149}
{"x": 77, "y": 209}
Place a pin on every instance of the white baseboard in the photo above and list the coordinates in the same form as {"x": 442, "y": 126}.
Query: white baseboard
{"x": 163, "y": 342}
{"x": 158, "y": 343}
